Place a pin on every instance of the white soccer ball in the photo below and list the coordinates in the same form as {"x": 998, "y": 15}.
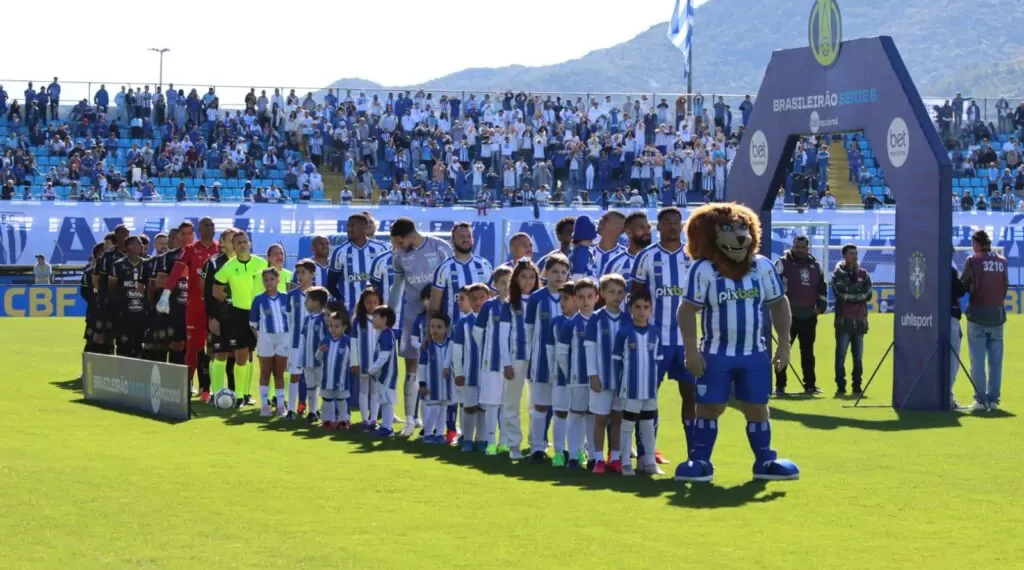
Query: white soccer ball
{"x": 224, "y": 399}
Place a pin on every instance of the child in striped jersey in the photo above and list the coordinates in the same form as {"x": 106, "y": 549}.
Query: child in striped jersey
{"x": 572, "y": 362}
{"x": 383, "y": 371}
{"x": 312, "y": 337}
{"x": 635, "y": 358}
{"x": 268, "y": 318}
{"x": 334, "y": 356}
{"x": 560, "y": 395}
{"x": 435, "y": 378}
{"x": 417, "y": 336}
{"x": 605, "y": 404}
{"x": 364, "y": 339}
{"x": 466, "y": 366}
{"x": 304, "y": 271}
{"x": 523, "y": 282}
{"x": 487, "y": 335}
{"x": 541, "y": 309}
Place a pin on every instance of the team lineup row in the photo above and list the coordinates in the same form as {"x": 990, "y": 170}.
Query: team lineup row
{"x": 472, "y": 338}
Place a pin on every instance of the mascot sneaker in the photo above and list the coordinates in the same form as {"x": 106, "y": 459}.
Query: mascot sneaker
{"x": 695, "y": 471}
{"x": 771, "y": 468}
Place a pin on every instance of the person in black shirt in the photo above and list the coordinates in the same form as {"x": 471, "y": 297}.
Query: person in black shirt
{"x": 85, "y": 290}
{"x": 217, "y": 312}
{"x": 103, "y": 325}
{"x": 128, "y": 295}
{"x": 955, "y": 334}
{"x": 156, "y": 286}
{"x": 152, "y": 339}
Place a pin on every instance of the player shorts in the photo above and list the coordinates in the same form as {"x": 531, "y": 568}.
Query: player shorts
{"x": 579, "y": 398}
{"x": 492, "y": 388}
{"x": 540, "y": 394}
{"x": 269, "y": 345}
{"x": 405, "y": 348}
{"x": 751, "y": 375}
{"x": 339, "y": 394}
{"x": 604, "y": 402}
{"x": 294, "y": 360}
{"x": 311, "y": 376}
{"x": 637, "y": 406}
{"x": 561, "y": 398}
{"x": 673, "y": 364}
{"x": 130, "y": 333}
{"x": 238, "y": 331}
{"x": 387, "y": 395}
{"x": 175, "y": 325}
{"x": 218, "y": 343}
{"x": 469, "y": 396}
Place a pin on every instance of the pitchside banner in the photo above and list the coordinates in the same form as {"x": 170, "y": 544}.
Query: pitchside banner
{"x": 153, "y": 388}
{"x": 834, "y": 86}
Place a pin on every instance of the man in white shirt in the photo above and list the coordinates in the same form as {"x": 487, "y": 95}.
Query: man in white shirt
{"x": 42, "y": 271}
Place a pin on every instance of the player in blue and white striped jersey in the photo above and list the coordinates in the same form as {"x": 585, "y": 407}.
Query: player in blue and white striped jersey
{"x": 572, "y": 360}
{"x": 466, "y": 367}
{"x": 636, "y": 357}
{"x": 638, "y": 233}
{"x": 563, "y": 233}
{"x": 384, "y": 372}
{"x": 297, "y": 314}
{"x": 542, "y": 308}
{"x": 312, "y": 335}
{"x": 524, "y": 281}
{"x": 350, "y": 263}
{"x": 457, "y": 272}
{"x": 605, "y": 404}
{"x": 435, "y": 378}
{"x": 609, "y": 230}
{"x": 335, "y": 355}
{"x": 268, "y": 318}
{"x": 732, "y": 356}
{"x": 560, "y": 395}
{"x": 487, "y": 334}
{"x": 661, "y": 270}
{"x": 321, "y": 261}
{"x": 364, "y": 341}
{"x": 382, "y": 277}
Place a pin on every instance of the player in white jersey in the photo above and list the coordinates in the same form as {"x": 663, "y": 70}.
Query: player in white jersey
{"x": 383, "y": 371}
{"x": 350, "y": 263}
{"x": 435, "y": 378}
{"x": 456, "y": 272}
{"x": 268, "y": 318}
{"x": 609, "y": 229}
{"x": 661, "y": 270}
{"x": 364, "y": 342}
{"x": 635, "y": 357}
{"x": 542, "y": 308}
{"x": 334, "y": 355}
{"x": 524, "y": 280}
{"x": 414, "y": 258}
{"x": 732, "y": 356}
{"x": 466, "y": 367}
{"x": 312, "y": 335}
{"x": 487, "y": 334}
{"x": 605, "y": 404}
{"x": 572, "y": 360}
{"x": 638, "y": 232}
{"x": 304, "y": 271}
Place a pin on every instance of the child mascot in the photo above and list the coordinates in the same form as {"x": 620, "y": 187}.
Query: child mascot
{"x": 730, "y": 284}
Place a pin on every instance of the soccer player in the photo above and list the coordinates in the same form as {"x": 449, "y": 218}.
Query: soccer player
{"x": 435, "y": 378}
{"x": 103, "y": 326}
{"x": 572, "y": 359}
{"x": 189, "y": 266}
{"x": 635, "y": 358}
{"x": 609, "y": 228}
{"x": 350, "y": 263}
{"x": 563, "y": 233}
{"x": 304, "y": 271}
{"x": 487, "y": 335}
{"x": 176, "y": 292}
{"x": 240, "y": 275}
{"x": 364, "y": 342}
{"x": 638, "y": 232}
{"x": 155, "y": 330}
{"x": 218, "y": 315}
{"x": 85, "y": 291}
{"x": 456, "y": 272}
{"x": 268, "y": 318}
{"x": 155, "y": 289}
{"x": 605, "y": 404}
{"x": 524, "y": 281}
{"x": 986, "y": 279}
{"x": 334, "y": 354}
{"x": 541, "y": 308}
{"x": 128, "y": 294}
{"x": 732, "y": 355}
{"x": 312, "y": 335}
{"x": 466, "y": 367}
{"x": 382, "y": 276}
{"x": 662, "y": 269}
{"x": 321, "y": 259}
{"x": 520, "y": 246}
{"x": 560, "y": 392}
{"x": 414, "y": 259}
{"x": 384, "y": 371}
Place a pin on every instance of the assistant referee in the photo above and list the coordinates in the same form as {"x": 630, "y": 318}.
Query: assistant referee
{"x": 243, "y": 275}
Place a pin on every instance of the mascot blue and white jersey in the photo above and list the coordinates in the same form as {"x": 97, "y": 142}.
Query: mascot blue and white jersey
{"x": 732, "y": 311}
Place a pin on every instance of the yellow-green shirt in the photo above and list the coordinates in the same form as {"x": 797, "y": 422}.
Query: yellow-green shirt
{"x": 286, "y": 278}
{"x": 244, "y": 278}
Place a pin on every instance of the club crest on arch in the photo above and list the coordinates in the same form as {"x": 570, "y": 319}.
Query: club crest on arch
{"x": 917, "y": 274}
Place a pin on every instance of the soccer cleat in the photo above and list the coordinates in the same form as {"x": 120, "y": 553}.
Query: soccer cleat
{"x": 977, "y": 407}
{"x": 627, "y": 469}
{"x": 841, "y": 391}
{"x": 573, "y": 464}
{"x": 811, "y": 390}
{"x": 695, "y": 471}
{"x": 780, "y": 392}
{"x": 266, "y": 412}
{"x": 451, "y": 437}
{"x": 382, "y": 432}
{"x": 650, "y": 469}
{"x": 204, "y": 397}
{"x": 660, "y": 459}
{"x": 290, "y": 416}
{"x": 369, "y": 426}
{"x": 341, "y": 425}
{"x": 993, "y": 406}
{"x": 247, "y": 401}
{"x": 591, "y": 463}
{"x": 311, "y": 419}
{"x": 503, "y": 448}
{"x": 559, "y": 459}
{"x": 582, "y": 457}
{"x": 515, "y": 455}
{"x": 301, "y": 409}
{"x": 538, "y": 457}
{"x": 857, "y": 391}
{"x": 239, "y": 403}
{"x": 419, "y": 423}
{"x": 282, "y": 412}
{"x": 599, "y": 468}
{"x": 480, "y": 446}
{"x": 615, "y": 466}
{"x": 408, "y": 430}
{"x": 776, "y": 470}
{"x": 491, "y": 449}
{"x": 327, "y": 425}
{"x": 467, "y": 446}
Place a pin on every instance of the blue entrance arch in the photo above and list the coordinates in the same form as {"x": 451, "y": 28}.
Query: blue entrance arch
{"x": 866, "y": 88}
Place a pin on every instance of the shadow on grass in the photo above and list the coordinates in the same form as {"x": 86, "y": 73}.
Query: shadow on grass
{"x": 75, "y": 385}
{"x": 679, "y": 494}
{"x": 904, "y": 420}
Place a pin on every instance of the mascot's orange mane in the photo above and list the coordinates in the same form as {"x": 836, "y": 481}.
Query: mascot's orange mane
{"x": 702, "y": 236}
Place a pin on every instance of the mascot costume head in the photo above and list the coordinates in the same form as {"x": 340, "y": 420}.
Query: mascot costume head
{"x": 728, "y": 235}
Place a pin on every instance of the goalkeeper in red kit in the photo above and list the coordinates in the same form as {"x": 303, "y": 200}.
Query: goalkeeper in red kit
{"x": 190, "y": 265}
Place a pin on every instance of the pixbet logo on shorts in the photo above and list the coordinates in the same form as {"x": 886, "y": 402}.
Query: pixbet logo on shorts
{"x": 897, "y": 142}
{"x": 758, "y": 153}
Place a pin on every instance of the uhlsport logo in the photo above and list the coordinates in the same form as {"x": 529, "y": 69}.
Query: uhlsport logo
{"x": 910, "y": 320}
{"x": 154, "y": 389}
{"x": 897, "y": 142}
{"x": 817, "y": 123}
{"x": 758, "y": 153}
{"x": 917, "y": 274}
{"x": 825, "y": 31}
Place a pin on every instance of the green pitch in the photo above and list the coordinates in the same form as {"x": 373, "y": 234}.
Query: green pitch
{"x": 83, "y": 487}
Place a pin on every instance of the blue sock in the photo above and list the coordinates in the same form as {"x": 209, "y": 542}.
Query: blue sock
{"x": 302, "y": 391}
{"x": 450, "y": 414}
{"x": 688, "y": 431}
{"x": 705, "y": 432}
{"x": 759, "y": 434}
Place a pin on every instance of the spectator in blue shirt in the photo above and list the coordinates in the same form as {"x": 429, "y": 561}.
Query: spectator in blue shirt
{"x": 54, "y": 92}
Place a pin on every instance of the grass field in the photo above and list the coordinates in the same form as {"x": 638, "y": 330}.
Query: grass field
{"x": 83, "y": 487}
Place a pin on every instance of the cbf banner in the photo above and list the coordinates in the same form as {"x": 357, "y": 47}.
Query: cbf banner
{"x": 153, "y": 388}
{"x": 41, "y": 301}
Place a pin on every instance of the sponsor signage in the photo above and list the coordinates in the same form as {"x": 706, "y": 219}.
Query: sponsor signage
{"x": 156, "y": 389}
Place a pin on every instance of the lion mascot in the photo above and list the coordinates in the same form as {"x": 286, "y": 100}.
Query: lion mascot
{"x": 729, "y": 284}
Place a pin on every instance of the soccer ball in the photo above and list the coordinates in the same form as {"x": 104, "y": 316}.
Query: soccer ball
{"x": 224, "y": 399}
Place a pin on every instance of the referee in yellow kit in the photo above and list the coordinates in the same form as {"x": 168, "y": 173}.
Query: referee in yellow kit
{"x": 243, "y": 276}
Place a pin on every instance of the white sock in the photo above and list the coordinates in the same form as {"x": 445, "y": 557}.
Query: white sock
{"x": 647, "y": 437}
{"x": 328, "y": 415}
{"x": 441, "y": 418}
{"x": 388, "y": 414}
{"x": 616, "y": 454}
{"x": 575, "y": 423}
{"x": 428, "y": 420}
{"x": 476, "y": 428}
{"x": 537, "y": 429}
{"x": 293, "y": 395}
{"x": 590, "y": 421}
{"x": 467, "y": 431}
{"x": 491, "y": 424}
{"x": 341, "y": 410}
{"x": 279, "y": 392}
{"x": 626, "y": 441}
{"x": 412, "y": 387}
{"x": 364, "y": 400}
{"x": 374, "y": 405}
{"x": 313, "y": 395}
{"x": 558, "y": 430}
{"x": 265, "y": 395}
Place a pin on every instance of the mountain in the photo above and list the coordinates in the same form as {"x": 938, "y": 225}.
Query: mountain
{"x": 948, "y": 47}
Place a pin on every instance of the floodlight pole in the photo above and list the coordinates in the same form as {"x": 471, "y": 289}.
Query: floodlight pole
{"x": 161, "y": 51}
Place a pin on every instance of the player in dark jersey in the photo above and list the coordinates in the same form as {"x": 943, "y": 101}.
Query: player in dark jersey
{"x": 152, "y": 348}
{"x": 128, "y": 295}
{"x": 85, "y": 290}
{"x": 103, "y": 325}
{"x": 222, "y": 364}
{"x": 176, "y": 330}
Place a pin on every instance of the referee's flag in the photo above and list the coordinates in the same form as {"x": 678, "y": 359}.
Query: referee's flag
{"x": 680, "y": 30}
